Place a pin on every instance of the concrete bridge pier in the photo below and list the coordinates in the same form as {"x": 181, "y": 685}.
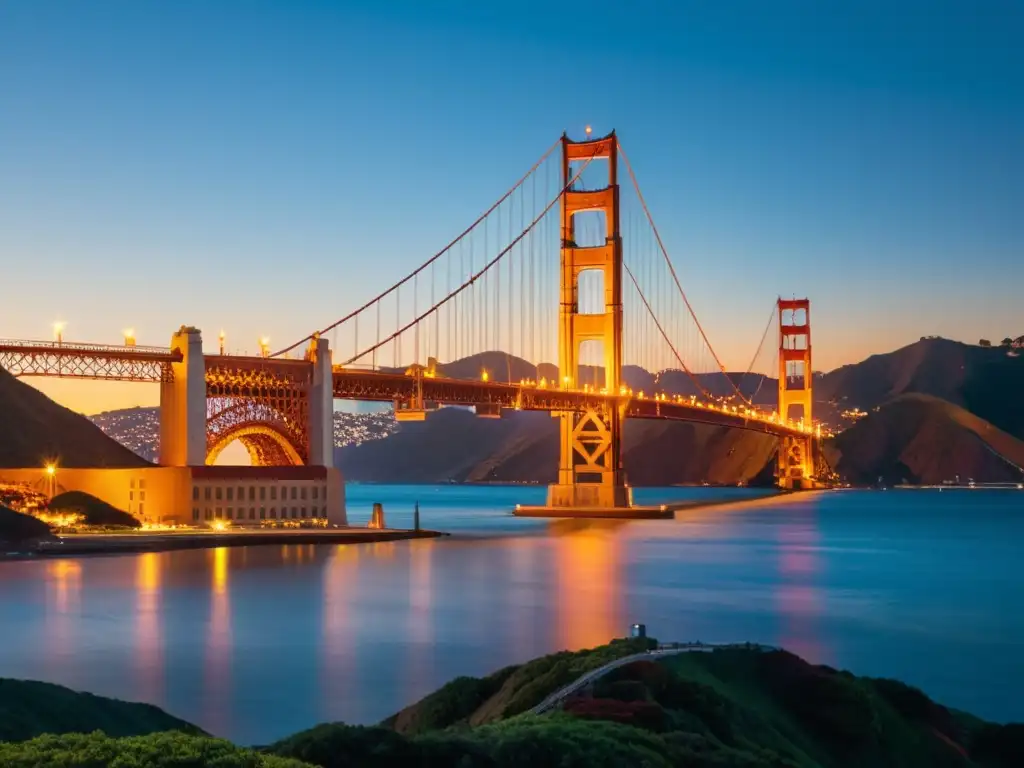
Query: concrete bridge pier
{"x": 183, "y": 404}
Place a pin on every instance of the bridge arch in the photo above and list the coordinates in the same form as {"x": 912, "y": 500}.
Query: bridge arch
{"x": 267, "y": 446}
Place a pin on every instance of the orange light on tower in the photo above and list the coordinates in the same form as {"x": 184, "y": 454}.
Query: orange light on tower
{"x": 265, "y": 347}
{"x": 484, "y": 375}
{"x": 221, "y": 339}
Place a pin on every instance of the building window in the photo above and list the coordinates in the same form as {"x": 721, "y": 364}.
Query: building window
{"x": 273, "y": 513}
{"x": 252, "y": 493}
{"x": 142, "y": 483}
{"x": 195, "y": 513}
{"x": 303, "y": 493}
{"x": 231, "y": 494}
{"x": 315, "y": 492}
{"x": 142, "y": 495}
{"x": 217, "y": 514}
{"x": 303, "y": 512}
{"x": 295, "y": 512}
{"x": 325, "y": 510}
{"x": 195, "y": 493}
{"x": 219, "y": 492}
{"x": 252, "y": 513}
{"x": 263, "y": 513}
{"x": 140, "y": 507}
{"x": 231, "y": 512}
{"x": 293, "y": 493}
{"x": 263, "y": 493}
{"x": 241, "y": 493}
{"x": 206, "y": 513}
{"x": 131, "y": 495}
{"x": 131, "y": 483}
{"x": 273, "y": 492}
{"x": 206, "y": 493}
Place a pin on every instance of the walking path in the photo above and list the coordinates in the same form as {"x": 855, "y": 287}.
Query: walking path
{"x": 561, "y": 694}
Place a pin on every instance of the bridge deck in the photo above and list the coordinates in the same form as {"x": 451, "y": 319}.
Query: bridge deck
{"x": 132, "y": 363}
{"x": 352, "y": 384}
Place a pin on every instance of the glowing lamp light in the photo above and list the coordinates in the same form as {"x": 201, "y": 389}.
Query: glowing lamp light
{"x": 58, "y": 331}
{"x": 588, "y": 131}
{"x": 51, "y": 470}
{"x": 265, "y": 347}
{"x": 219, "y": 525}
{"x": 129, "y": 337}
{"x": 484, "y": 375}
{"x": 221, "y": 338}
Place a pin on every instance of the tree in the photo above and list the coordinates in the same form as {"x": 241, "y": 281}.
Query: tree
{"x": 1007, "y": 341}
{"x": 984, "y": 343}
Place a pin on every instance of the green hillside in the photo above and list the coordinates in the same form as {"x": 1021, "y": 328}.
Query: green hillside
{"x": 730, "y": 708}
{"x": 29, "y": 708}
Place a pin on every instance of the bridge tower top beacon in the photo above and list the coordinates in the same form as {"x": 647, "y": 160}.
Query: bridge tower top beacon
{"x": 590, "y": 462}
{"x": 796, "y": 389}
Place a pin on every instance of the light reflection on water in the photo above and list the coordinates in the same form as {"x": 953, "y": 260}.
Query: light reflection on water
{"x": 255, "y": 643}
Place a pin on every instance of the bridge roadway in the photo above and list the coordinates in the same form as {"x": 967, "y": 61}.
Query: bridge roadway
{"x": 352, "y": 384}
{"x": 242, "y": 376}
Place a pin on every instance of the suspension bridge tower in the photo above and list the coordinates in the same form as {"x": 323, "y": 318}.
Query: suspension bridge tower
{"x": 796, "y": 390}
{"x": 590, "y": 473}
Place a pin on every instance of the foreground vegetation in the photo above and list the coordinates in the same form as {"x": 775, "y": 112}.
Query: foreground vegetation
{"x": 730, "y": 708}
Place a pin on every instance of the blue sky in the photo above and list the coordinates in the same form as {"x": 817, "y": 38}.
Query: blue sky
{"x": 265, "y": 166}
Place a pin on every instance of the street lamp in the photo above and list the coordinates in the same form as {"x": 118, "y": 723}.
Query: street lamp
{"x": 51, "y": 480}
{"x": 129, "y": 337}
{"x": 221, "y": 337}
{"x": 58, "y": 331}
{"x": 265, "y": 347}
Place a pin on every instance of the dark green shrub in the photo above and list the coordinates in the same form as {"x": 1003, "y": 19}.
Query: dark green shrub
{"x": 159, "y": 750}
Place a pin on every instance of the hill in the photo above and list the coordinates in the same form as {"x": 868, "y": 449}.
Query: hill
{"x": 16, "y": 528}
{"x": 35, "y": 430}
{"x": 29, "y": 709}
{"x": 93, "y": 511}
{"x": 740, "y": 706}
{"x": 924, "y": 440}
{"x": 984, "y": 380}
{"x": 730, "y": 707}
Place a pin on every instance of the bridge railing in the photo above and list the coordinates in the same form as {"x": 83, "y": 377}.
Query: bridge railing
{"x": 69, "y": 347}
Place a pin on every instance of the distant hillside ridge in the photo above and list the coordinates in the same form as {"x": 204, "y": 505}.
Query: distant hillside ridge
{"x": 922, "y": 439}
{"x": 987, "y": 381}
{"x": 35, "y": 430}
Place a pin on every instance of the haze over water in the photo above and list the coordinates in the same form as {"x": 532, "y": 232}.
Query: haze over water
{"x": 256, "y": 643}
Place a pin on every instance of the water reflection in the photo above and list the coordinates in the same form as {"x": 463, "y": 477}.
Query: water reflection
{"x": 149, "y": 651}
{"x": 64, "y": 582}
{"x": 588, "y": 584}
{"x": 338, "y": 641}
{"x": 420, "y": 616}
{"x": 218, "y": 645}
{"x": 799, "y": 596}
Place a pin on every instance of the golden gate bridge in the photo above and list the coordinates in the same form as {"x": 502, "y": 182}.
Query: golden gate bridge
{"x": 567, "y": 265}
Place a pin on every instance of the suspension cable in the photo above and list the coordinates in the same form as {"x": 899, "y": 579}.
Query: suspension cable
{"x": 432, "y": 259}
{"x": 672, "y": 269}
{"x": 484, "y": 270}
{"x": 661, "y": 330}
{"x": 760, "y": 346}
